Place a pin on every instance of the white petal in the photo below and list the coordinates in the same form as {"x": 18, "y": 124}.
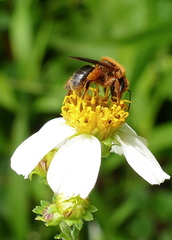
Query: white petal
{"x": 33, "y": 149}
{"x": 74, "y": 169}
{"x": 117, "y": 149}
{"x": 140, "y": 158}
{"x": 127, "y": 130}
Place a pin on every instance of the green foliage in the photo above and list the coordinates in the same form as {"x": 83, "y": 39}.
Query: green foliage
{"x": 36, "y": 38}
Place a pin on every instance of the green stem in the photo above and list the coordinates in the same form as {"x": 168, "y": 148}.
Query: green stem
{"x": 75, "y": 233}
{"x": 69, "y": 232}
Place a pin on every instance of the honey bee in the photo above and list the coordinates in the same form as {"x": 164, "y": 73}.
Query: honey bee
{"x": 107, "y": 73}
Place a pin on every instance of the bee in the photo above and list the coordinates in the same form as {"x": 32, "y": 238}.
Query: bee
{"x": 107, "y": 72}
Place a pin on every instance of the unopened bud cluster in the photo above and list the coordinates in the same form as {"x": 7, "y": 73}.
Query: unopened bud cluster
{"x": 71, "y": 210}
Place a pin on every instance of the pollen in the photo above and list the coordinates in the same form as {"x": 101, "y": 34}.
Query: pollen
{"x": 94, "y": 114}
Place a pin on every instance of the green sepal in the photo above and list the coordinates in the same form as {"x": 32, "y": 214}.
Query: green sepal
{"x": 62, "y": 236}
{"x": 106, "y": 147}
{"x": 88, "y": 216}
{"x": 39, "y": 218}
{"x": 92, "y": 208}
{"x": 44, "y": 203}
{"x": 38, "y": 210}
{"x": 108, "y": 142}
{"x": 77, "y": 223}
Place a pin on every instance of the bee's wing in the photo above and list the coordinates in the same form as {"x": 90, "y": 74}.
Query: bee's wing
{"x": 92, "y": 61}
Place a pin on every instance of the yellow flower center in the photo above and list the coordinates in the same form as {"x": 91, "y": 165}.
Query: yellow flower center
{"x": 94, "y": 114}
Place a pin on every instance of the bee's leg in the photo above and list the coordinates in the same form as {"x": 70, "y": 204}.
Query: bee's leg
{"x": 106, "y": 92}
{"x": 69, "y": 92}
{"x": 115, "y": 91}
{"x": 86, "y": 87}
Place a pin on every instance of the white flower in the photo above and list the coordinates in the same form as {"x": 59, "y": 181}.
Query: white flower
{"x": 74, "y": 168}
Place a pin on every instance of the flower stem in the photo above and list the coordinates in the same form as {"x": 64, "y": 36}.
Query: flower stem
{"x": 69, "y": 232}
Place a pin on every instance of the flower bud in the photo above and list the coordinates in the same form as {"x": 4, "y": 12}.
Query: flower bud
{"x": 73, "y": 208}
{"x": 42, "y": 167}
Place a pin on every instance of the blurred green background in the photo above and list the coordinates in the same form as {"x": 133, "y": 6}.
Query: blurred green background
{"x": 36, "y": 36}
